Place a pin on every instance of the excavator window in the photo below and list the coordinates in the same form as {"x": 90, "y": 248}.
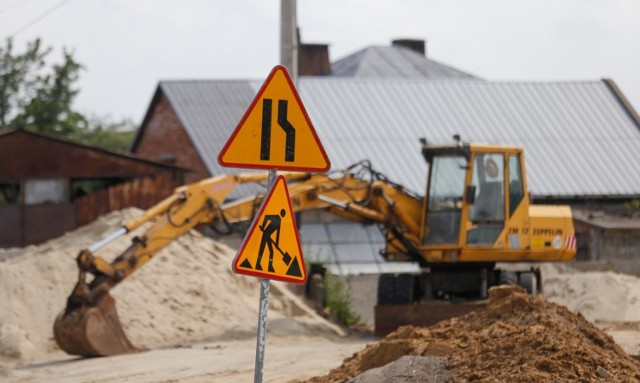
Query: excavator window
{"x": 516, "y": 190}
{"x": 488, "y": 210}
{"x": 444, "y": 206}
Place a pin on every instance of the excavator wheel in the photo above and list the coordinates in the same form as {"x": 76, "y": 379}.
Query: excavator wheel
{"x": 92, "y": 330}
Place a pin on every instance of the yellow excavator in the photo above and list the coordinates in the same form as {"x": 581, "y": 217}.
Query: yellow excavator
{"x": 475, "y": 213}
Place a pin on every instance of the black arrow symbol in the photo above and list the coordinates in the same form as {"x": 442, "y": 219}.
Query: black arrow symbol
{"x": 289, "y": 130}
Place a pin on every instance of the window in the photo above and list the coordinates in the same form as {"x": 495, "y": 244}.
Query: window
{"x": 488, "y": 179}
{"x": 446, "y": 190}
{"x": 487, "y": 212}
{"x": 516, "y": 189}
{"x": 38, "y": 191}
{"x": 446, "y": 187}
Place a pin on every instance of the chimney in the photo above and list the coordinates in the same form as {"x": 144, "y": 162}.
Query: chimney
{"x": 313, "y": 59}
{"x": 416, "y": 45}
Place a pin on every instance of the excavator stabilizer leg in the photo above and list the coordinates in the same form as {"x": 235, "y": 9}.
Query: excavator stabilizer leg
{"x": 92, "y": 330}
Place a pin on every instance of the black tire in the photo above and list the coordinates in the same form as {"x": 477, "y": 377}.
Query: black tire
{"x": 508, "y": 278}
{"x": 386, "y": 288}
{"x": 527, "y": 280}
{"x": 405, "y": 287}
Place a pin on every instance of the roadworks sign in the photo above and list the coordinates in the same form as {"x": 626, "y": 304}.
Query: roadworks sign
{"x": 271, "y": 248}
{"x": 275, "y": 132}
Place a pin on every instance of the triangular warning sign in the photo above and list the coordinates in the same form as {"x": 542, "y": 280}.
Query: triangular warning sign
{"x": 275, "y": 132}
{"x": 271, "y": 248}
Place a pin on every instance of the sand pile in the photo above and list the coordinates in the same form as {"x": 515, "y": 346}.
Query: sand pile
{"x": 187, "y": 292}
{"x": 597, "y": 295}
{"x": 517, "y": 337}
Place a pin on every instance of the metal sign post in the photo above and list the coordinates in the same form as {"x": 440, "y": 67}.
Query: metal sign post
{"x": 262, "y": 313}
{"x": 277, "y": 107}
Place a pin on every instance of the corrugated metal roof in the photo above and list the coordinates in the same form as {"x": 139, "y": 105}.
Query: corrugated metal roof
{"x": 578, "y": 139}
{"x": 394, "y": 61}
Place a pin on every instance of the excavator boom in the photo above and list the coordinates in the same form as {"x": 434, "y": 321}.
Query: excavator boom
{"x": 89, "y": 324}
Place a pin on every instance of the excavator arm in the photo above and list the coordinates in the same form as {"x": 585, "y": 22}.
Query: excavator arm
{"x": 89, "y": 325}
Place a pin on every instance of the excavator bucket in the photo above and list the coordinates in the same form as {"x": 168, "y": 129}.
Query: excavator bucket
{"x": 92, "y": 330}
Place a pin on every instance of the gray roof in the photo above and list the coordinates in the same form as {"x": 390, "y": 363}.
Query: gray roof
{"x": 394, "y": 61}
{"x": 578, "y": 138}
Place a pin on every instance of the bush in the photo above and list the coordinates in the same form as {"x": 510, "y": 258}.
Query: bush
{"x": 633, "y": 204}
{"x": 338, "y": 301}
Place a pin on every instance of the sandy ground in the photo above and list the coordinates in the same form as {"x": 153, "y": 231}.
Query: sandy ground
{"x": 200, "y": 319}
{"x": 287, "y": 358}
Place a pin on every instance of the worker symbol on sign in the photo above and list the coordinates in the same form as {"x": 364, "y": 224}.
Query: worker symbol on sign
{"x": 271, "y": 248}
{"x": 271, "y": 226}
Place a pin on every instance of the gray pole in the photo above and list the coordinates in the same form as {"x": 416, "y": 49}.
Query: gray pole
{"x": 262, "y": 314}
{"x": 288, "y": 58}
{"x": 289, "y": 38}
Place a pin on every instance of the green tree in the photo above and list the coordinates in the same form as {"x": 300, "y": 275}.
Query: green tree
{"x": 18, "y": 76}
{"x": 104, "y": 133}
{"x": 36, "y": 96}
{"x": 48, "y": 109}
{"x": 39, "y": 97}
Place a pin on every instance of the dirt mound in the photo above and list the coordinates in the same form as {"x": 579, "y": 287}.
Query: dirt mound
{"x": 515, "y": 336}
{"x": 187, "y": 292}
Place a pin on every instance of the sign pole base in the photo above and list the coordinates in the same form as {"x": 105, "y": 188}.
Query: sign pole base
{"x": 262, "y": 329}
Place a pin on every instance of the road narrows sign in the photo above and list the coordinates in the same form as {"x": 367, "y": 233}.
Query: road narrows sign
{"x": 271, "y": 248}
{"x": 275, "y": 133}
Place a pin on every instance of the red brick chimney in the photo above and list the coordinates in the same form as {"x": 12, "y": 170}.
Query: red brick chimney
{"x": 416, "y": 45}
{"x": 313, "y": 60}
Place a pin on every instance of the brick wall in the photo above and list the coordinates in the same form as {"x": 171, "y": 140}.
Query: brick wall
{"x": 165, "y": 140}
{"x": 313, "y": 60}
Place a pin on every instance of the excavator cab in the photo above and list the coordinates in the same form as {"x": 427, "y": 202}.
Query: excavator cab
{"x": 476, "y": 213}
{"x": 475, "y": 206}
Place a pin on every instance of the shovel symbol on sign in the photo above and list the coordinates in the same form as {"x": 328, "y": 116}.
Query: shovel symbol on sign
{"x": 271, "y": 226}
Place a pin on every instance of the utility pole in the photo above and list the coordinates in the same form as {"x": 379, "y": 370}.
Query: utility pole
{"x": 289, "y": 38}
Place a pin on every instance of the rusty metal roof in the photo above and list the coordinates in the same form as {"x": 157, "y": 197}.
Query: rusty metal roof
{"x": 579, "y": 138}
{"x": 27, "y": 154}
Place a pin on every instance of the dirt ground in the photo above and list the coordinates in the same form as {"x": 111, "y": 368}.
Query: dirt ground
{"x": 516, "y": 336}
{"x": 286, "y": 358}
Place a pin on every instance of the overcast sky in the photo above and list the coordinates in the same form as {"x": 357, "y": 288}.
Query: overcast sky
{"x": 127, "y": 46}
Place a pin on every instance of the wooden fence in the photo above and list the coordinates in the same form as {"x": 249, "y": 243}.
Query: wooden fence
{"x": 140, "y": 192}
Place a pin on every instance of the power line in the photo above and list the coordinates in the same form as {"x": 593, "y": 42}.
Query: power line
{"x": 39, "y": 18}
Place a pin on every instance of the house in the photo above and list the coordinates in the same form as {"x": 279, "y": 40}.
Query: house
{"x": 581, "y": 138}
{"x": 49, "y": 186}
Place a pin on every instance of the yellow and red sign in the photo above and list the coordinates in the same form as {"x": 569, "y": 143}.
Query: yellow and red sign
{"x": 271, "y": 248}
{"x": 275, "y": 133}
